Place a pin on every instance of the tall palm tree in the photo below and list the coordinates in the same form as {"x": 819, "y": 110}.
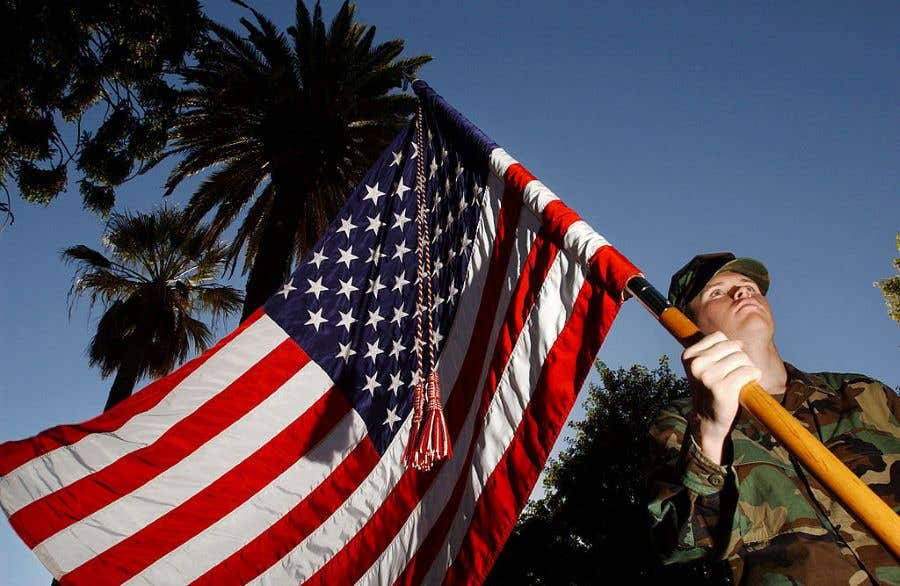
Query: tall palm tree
{"x": 158, "y": 275}
{"x": 292, "y": 122}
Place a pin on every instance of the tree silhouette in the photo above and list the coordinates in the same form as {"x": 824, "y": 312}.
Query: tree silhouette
{"x": 157, "y": 276}
{"x": 291, "y": 123}
{"x": 102, "y": 68}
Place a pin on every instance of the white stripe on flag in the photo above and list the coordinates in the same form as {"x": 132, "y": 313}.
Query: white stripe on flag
{"x": 48, "y": 473}
{"x": 537, "y": 196}
{"x": 500, "y": 161}
{"x": 228, "y": 535}
{"x": 81, "y": 541}
{"x": 582, "y": 242}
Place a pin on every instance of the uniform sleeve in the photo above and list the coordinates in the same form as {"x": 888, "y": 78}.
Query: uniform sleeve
{"x": 688, "y": 493}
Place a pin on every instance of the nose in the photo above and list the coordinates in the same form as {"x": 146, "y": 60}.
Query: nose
{"x": 743, "y": 291}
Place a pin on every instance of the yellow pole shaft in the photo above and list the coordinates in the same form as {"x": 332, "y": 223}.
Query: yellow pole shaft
{"x": 859, "y": 499}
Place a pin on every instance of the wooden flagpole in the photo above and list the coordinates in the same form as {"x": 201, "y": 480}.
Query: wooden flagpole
{"x": 859, "y": 499}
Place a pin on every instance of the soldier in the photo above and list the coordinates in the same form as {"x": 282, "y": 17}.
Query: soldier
{"x": 724, "y": 487}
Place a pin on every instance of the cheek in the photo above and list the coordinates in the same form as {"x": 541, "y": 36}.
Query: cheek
{"x": 713, "y": 316}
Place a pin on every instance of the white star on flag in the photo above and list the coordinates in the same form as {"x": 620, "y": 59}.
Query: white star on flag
{"x": 346, "y": 351}
{"x": 396, "y": 383}
{"x": 317, "y": 259}
{"x": 375, "y": 255}
{"x": 434, "y": 167}
{"x": 398, "y": 157}
{"x": 400, "y": 220}
{"x": 401, "y": 282}
{"x": 396, "y": 349}
{"x": 315, "y": 319}
{"x": 375, "y": 286}
{"x": 371, "y": 384}
{"x": 346, "y": 227}
{"x": 374, "y": 319}
{"x": 373, "y": 193}
{"x": 346, "y": 320}
{"x": 399, "y": 314}
{"x": 373, "y": 351}
{"x": 401, "y": 189}
{"x": 392, "y": 418}
{"x": 315, "y": 287}
{"x": 288, "y": 287}
{"x": 400, "y": 250}
{"x": 347, "y": 287}
{"x": 347, "y": 255}
{"x": 375, "y": 224}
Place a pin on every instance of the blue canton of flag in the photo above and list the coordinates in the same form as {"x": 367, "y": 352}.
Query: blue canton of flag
{"x": 352, "y": 302}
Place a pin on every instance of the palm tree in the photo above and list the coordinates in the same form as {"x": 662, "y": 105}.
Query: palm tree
{"x": 158, "y": 275}
{"x": 292, "y": 126}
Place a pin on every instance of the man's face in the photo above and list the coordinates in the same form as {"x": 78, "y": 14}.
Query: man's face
{"x": 732, "y": 304}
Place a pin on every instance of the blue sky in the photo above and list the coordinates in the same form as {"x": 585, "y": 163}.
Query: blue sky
{"x": 769, "y": 129}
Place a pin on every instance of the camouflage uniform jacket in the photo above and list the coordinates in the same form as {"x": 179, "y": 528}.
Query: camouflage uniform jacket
{"x": 762, "y": 512}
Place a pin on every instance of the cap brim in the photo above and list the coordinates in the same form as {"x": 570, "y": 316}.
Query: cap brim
{"x": 750, "y": 268}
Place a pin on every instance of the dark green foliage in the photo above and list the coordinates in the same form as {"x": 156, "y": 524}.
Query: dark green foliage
{"x": 62, "y": 60}
{"x": 290, "y": 122}
{"x": 157, "y": 275}
{"x": 40, "y": 185}
{"x": 890, "y": 288}
{"x": 592, "y": 526}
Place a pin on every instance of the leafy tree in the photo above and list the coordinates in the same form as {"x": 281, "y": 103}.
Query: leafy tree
{"x": 157, "y": 275}
{"x": 592, "y": 526}
{"x": 60, "y": 60}
{"x": 890, "y": 288}
{"x": 292, "y": 122}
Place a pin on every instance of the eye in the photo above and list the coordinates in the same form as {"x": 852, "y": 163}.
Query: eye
{"x": 714, "y": 293}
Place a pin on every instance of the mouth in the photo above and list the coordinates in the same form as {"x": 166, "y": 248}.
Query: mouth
{"x": 745, "y": 304}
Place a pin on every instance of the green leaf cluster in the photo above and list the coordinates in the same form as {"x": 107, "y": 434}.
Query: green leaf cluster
{"x": 890, "y": 288}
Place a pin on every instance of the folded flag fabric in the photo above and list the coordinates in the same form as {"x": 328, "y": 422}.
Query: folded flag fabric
{"x": 280, "y": 456}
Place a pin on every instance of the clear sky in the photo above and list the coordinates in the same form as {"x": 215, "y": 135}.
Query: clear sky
{"x": 769, "y": 129}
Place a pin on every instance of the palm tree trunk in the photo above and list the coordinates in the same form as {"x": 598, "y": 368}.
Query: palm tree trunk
{"x": 122, "y": 387}
{"x": 272, "y": 264}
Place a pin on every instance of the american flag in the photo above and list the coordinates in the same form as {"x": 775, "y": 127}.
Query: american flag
{"x": 277, "y": 456}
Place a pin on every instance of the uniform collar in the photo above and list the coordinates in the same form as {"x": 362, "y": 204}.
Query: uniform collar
{"x": 800, "y": 385}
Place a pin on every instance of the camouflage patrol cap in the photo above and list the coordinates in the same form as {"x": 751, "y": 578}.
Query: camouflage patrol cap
{"x": 690, "y": 279}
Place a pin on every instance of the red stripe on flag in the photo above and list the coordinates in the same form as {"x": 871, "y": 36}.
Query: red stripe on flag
{"x": 612, "y": 268}
{"x": 14, "y": 454}
{"x": 368, "y": 544}
{"x": 512, "y": 480}
{"x": 131, "y": 556}
{"x": 515, "y": 180}
{"x": 538, "y": 264}
{"x": 278, "y": 540}
{"x": 54, "y": 512}
{"x": 557, "y": 218}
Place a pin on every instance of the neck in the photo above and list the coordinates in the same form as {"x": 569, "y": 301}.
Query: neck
{"x": 765, "y": 356}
